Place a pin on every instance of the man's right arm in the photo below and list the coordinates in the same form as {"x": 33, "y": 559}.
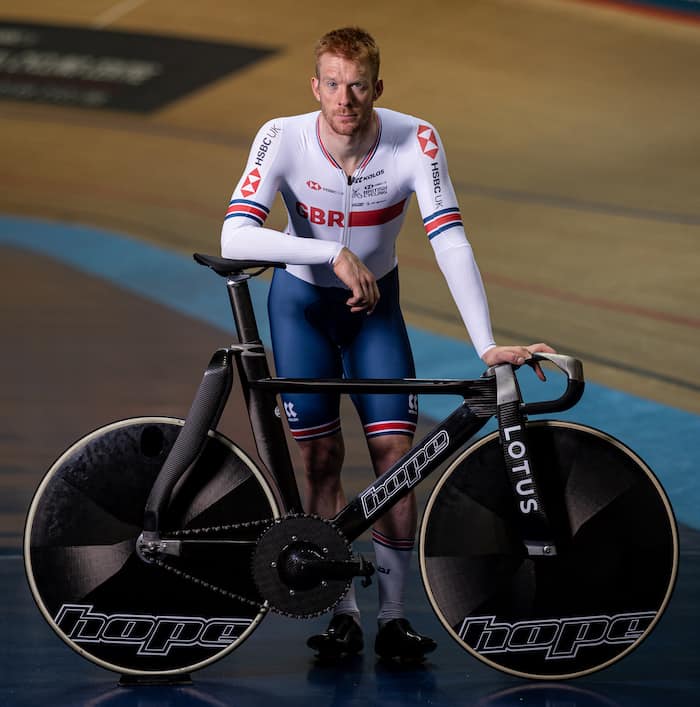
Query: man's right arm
{"x": 243, "y": 235}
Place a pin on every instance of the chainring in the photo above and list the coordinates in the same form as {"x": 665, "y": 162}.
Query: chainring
{"x": 314, "y": 534}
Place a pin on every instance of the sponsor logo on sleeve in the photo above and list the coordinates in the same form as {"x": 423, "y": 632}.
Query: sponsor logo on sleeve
{"x": 265, "y": 144}
{"x": 251, "y": 183}
{"x": 428, "y": 141}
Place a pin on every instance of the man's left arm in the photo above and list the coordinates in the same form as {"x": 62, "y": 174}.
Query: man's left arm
{"x": 444, "y": 227}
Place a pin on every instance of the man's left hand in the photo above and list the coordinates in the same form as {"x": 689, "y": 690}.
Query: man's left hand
{"x": 517, "y": 355}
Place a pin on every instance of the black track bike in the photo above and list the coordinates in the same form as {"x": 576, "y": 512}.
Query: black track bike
{"x": 155, "y": 546}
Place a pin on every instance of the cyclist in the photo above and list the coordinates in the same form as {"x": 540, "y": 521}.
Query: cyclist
{"x": 346, "y": 174}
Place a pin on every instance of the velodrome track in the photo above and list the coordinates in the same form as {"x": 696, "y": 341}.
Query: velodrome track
{"x": 573, "y": 139}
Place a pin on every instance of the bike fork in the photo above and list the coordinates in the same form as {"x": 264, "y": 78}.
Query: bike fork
{"x": 535, "y": 525}
{"x": 203, "y": 416}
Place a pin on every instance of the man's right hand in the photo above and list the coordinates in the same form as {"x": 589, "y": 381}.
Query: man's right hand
{"x": 355, "y": 275}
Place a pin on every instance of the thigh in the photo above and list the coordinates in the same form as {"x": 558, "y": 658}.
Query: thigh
{"x": 381, "y": 349}
{"x": 302, "y": 350}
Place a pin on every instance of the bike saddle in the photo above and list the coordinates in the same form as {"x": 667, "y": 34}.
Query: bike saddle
{"x": 228, "y": 266}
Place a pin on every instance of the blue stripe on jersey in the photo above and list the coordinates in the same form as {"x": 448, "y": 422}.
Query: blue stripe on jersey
{"x": 444, "y": 228}
{"x": 249, "y": 209}
{"x": 440, "y": 221}
{"x": 437, "y": 214}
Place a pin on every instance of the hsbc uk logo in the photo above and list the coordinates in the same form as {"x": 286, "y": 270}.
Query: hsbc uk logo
{"x": 556, "y": 638}
{"x": 149, "y": 635}
{"x": 313, "y": 185}
{"x": 428, "y": 141}
{"x": 251, "y": 183}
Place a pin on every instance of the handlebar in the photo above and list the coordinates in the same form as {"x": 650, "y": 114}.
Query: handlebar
{"x": 573, "y": 369}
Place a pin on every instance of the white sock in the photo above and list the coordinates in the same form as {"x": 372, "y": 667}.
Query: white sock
{"x": 348, "y": 605}
{"x": 393, "y": 558}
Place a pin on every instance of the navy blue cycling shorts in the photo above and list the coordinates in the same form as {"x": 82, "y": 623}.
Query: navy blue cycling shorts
{"x": 315, "y": 335}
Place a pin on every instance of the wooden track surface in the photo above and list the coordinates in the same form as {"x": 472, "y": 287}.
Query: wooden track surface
{"x": 572, "y": 132}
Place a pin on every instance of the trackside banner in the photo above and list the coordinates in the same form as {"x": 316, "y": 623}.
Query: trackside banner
{"x": 91, "y": 68}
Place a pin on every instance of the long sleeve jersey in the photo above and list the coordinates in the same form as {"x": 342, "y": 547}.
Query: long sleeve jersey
{"x": 364, "y": 212}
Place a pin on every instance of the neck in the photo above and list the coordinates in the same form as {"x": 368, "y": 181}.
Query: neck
{"x": 349, "y": 150}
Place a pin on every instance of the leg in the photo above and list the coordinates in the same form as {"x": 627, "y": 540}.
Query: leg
{"x": 323, "y": 461}
{"x": 382, "y": 350}
{"x": 393, "y": 534}
{"x": 393, "y": 538}
{"x": 324, "y": 496}
{"x": 401, "y": 520}
{"x": 301, "y": 316}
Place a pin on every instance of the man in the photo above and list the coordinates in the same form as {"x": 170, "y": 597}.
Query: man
{"x": 346, "y": 175}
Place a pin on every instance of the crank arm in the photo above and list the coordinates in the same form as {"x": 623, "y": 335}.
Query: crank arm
{"x": 337, "y": 569}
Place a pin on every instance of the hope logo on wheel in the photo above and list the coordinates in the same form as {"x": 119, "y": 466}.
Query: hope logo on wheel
{"x": 149, "y": 635}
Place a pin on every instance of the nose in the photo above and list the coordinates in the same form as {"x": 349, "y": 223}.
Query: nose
{"x": 344, "y": 95}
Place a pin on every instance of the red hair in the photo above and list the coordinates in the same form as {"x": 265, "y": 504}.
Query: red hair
{"x": 351, "y": 43}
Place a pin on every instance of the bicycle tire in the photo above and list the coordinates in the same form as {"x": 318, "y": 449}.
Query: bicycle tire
{"x": 550, "y": 617}
{"x": 108, "y": 605}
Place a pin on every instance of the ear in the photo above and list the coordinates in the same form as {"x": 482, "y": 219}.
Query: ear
{"x": 378, "y": 89}
{"x": 314, "y": 88}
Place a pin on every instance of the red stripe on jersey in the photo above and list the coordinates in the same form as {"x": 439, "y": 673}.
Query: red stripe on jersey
{"x": 449, "y": 218}
{"x": 376, "y": 217}
{"x": 238, "y": 208}
{"x": 373, "y": 149}
{"x": 328, "y": 155}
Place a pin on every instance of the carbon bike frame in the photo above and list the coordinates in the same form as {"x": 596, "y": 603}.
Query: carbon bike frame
{"x": 497, "y": 392}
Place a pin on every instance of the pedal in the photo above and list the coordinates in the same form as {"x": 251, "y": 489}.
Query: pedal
{"x": 367, "y": 569}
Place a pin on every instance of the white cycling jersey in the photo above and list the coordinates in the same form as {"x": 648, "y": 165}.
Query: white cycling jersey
{"x": 328, "y": 210}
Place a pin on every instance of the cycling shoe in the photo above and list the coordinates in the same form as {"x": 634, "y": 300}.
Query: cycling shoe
{"x": 342, "y": 637}
{"x": 397, "y": 639}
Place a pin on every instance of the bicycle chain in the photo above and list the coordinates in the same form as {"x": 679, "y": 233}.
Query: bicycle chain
{"x": 266, "y": 525}
{"x": 185, "y": 532}
{"x": 208, "y": 585}
{"x": 189, "y": 532}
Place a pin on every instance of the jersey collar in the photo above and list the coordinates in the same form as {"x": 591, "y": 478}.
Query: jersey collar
{"x": 370, "y": 153}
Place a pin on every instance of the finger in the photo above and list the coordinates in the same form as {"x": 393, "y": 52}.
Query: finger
{"x": 360, "y": 306}
{"x": 368, "y": 293}
{"x": 374, "y": 298}
{"x": 540, "y": 348}
{"x": 520, "y": 356}
{"x": 357, "y": 303}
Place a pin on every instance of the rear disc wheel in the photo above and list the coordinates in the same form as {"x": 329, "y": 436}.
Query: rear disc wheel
{"x": 80, "y": 550}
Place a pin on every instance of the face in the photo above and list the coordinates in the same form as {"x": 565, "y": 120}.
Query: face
{"x": 346, "y": 92}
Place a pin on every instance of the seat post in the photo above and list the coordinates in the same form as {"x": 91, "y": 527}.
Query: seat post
{"x": 242, "y": 308}
{"x": 263, "y": 408}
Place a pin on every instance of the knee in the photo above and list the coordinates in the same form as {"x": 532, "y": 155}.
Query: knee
{"x": 387, "y": 450}
{"x": 323, "y": 458}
